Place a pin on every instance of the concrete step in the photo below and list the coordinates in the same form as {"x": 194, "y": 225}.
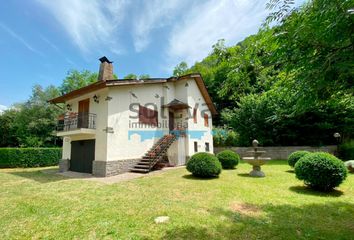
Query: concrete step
{"x": 139, "y": 170}
{"x": 141, "y": 166}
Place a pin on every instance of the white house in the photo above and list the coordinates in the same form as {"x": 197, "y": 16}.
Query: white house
{"x": 113, "y": 126}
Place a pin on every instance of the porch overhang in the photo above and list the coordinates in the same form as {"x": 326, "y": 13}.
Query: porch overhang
{"x": 176, "y": 104}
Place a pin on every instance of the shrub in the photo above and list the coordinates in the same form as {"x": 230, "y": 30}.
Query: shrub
{"x": 222, "y": 137}
{"x": 350, "y": 165}
{"x": 346, "y": 150}
{"x": 228, "y": 159}
{"x": 295, "y": 156}
{"x": 29, "y": 157}
{"x": 321, "y": 170}
{"x": 204, "y": 165}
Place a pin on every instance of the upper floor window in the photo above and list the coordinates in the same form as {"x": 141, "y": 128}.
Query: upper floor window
{"x": 206, "y": 120}
{"x": 195, "y": 115}
{"x": 147, "y": 116}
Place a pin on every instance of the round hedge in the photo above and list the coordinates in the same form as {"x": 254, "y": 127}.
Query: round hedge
{"x": 204, "y": 165}
{"x": 228, "y": 159}
{"x": 295, "y": 156}
{"x": 321, "y": 171}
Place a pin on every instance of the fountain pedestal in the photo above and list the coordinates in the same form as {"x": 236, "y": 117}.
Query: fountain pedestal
{"x": 256, "y": 161}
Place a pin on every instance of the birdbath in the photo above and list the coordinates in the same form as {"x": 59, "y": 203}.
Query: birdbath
{"x": 256, "y": 161}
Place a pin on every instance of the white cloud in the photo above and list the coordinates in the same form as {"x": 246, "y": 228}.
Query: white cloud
{"x": 3, "y": 108}
{"x": 153, "y": 15}
{"x": 90, "y": 24}
{"x": 20, "y": 39}
{"x": 203, "y": 25}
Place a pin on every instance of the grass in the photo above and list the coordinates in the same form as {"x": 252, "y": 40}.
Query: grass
{"x": 234, "y": 206}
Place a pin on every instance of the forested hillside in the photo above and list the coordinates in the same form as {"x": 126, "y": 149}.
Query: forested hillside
{"x": 290, "y": 84}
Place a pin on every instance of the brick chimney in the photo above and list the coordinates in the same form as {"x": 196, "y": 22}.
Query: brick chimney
{"x": 106, "y": 69}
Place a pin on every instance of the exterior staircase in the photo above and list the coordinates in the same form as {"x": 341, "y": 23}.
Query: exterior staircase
{"x": 157, "y": 152}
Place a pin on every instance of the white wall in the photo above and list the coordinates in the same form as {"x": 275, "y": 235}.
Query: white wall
{"x": 100, "y": 109}
{"x": 195, "y": 96}
{"x": 119, "y": 145}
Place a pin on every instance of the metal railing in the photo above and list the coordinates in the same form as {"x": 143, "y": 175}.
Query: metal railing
{"x": 73, "y": 121}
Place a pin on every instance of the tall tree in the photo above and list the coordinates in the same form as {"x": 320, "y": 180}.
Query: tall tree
{"x": 76, "y": 79}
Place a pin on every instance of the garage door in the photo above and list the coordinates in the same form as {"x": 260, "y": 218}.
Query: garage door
{"x": 82, "y": 156}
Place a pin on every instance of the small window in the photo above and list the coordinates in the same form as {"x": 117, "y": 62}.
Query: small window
{"x": 195, "y": 146}
{"x": 206, "y": 120}
{"x": 207, "y": 147}
{"x": 195, "y": 115}
{"x": 147, "y": 116}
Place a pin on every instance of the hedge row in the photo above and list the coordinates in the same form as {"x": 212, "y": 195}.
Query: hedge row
{"x": 29, "y": 157}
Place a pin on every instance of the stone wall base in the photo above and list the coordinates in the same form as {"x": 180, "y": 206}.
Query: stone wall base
{"x": 111, "y": 168}
{"x": 277, "y": 152}
{"x": 64, "y": 165}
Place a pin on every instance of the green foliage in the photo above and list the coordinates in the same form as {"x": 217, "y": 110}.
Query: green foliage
{"x": 204, "y": 165}
{"x": 76, "y": 79}
{"x": 315, "y": 43}
{"x": 350, "y": 165}
{"x": 289, "y": 84}
{"x": 144, "y": 76}
{"x": 295, "y": 157}
{"x": 131, "y": 76}
{"x": 29, "y": 157}
{"x": 321, "y": 171}
{"x": 32, "y": 123}
{"x": 180, "y": 69}
{"x": 228, "y": 159}
{"x": 222, "y": 137}
{"x": 346, "y": 150}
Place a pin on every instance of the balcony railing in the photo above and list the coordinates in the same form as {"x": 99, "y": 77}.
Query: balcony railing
{"x": 73, "y": 121}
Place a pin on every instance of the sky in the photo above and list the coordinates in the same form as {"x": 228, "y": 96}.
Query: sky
{"x": 41, "y": 40}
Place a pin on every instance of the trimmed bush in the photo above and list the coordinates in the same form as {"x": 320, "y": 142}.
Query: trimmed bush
{"x": 350, "y": 165}
{"x": 204, "y": 165}
{"x": 295, "y": 156}
{"x": 228, "y": 159}
{"x": 346, "y": 150}
{"x": 321, "y": 171}
{"x": 29, "y": 157}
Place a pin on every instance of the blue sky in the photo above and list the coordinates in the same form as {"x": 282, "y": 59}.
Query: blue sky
{"x": 40, "y": 40}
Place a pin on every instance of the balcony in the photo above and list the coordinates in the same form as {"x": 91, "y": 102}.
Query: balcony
{"x": 76, "y": 123}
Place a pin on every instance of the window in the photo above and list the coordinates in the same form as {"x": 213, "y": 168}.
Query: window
{"x": 195, "y": 146}
{"x": 206, "y": 120}
{"x": 207, "y": 147}
{"x": 195, "y": 115}
{"x": 147, "y": 116}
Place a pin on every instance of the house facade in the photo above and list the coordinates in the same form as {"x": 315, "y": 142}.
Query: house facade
{"x": 113, "y": 126}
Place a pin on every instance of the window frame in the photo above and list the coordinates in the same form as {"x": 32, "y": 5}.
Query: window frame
{"x": 206, "y": 120}
{"x": 207, "y": 146}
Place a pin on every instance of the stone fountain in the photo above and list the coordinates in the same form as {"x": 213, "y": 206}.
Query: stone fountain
{"x": 256, "y": 161}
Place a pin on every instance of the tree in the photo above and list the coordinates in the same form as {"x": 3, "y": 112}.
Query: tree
{"x": 180, "y": 69}
{"x": 31, "y": 124}
{"x": 131, "y": 76}
{"x": 144, "y": 76}
{"x": 76, "y": 79}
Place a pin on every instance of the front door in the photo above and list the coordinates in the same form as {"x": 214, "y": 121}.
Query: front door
{"x": 171, "y": 120}
{"x": 83, "y": 115}
{"x": 82, "y": 156}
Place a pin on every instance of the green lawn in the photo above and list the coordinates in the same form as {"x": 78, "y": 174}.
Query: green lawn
{"x": 234, "y": 206}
